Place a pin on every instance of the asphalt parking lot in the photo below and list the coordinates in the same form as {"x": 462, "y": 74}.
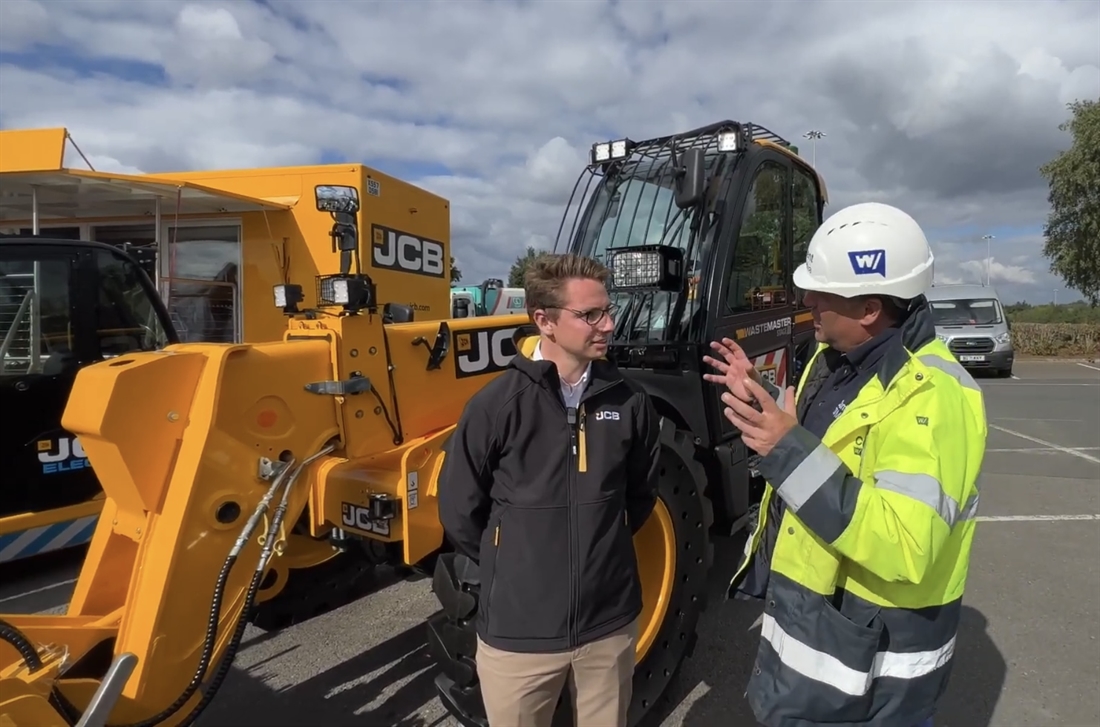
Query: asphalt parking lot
{"x": 1029, "y": 646}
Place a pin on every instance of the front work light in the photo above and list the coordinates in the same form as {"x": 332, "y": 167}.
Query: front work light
{"x": 351, "y": 292}
{"x": 288, "y": 297}
{"x": 646, "y": 268}
{"x": 605, "y": 151}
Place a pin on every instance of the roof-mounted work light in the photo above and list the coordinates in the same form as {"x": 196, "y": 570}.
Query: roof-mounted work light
{"x": 606, "y": 151}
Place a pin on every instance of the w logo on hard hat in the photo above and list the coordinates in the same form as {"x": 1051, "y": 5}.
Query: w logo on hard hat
{"x": 868, "y": 262}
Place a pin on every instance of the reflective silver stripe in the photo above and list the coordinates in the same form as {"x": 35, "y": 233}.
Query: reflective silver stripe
{"x": 827, "y": 669}
{"x": 926, "y": 490}
{"x": 817, "y": 468}
{"x": 951, "y": 367}
{"x": 969, "y": 509}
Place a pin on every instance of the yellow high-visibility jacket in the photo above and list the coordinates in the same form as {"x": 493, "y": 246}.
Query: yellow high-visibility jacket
{"x": 871, "y": 554}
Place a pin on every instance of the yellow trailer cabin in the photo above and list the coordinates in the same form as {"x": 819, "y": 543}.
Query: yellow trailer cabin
{"x": 214, "y": 244}
{"x": 217, "y": 242}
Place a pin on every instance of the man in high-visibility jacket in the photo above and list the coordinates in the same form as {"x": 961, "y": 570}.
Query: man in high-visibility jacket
{"x": 863, "y": 540}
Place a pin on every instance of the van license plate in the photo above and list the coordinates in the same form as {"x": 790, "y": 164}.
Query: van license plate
{"x": 972, "y": 358}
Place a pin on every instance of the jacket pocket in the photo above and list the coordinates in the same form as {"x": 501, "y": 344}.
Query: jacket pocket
{"x": 490, "y": 549}
{"x": 529, "y": 593}
{"x": 854, "y": 644}
{"x": 610, "y": 588}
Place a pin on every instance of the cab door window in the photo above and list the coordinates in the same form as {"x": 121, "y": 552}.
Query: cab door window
{"x": 126, "y": 320}
{"x": 803, "y": 213}
{"x": 36, "y": 316}
{"x": 758, "y": 278}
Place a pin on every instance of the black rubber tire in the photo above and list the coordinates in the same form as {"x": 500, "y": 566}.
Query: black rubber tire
{"x": 451, "y": 635}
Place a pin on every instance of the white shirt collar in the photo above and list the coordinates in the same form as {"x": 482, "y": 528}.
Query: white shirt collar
{"x": 565, "y": 385}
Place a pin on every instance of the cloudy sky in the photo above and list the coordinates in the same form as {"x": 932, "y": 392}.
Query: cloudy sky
{"x": 945, "y": 108}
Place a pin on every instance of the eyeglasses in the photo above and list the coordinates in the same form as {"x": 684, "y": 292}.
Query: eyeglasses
{"x": 591, "y": 317}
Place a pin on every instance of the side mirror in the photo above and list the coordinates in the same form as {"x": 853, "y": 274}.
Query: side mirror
{"x": 397, "y": 313}
{"x": 336, "y": 198}
{"x": 690, "y": 185}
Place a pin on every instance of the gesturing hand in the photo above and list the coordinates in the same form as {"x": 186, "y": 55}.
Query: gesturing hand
{"x": 760, "y": 430}
{"x": 733, "y": 369}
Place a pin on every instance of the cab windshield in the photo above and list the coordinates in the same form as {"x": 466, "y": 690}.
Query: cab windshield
{"x": 637, "y": 207}
{"x": 967, "y": 312}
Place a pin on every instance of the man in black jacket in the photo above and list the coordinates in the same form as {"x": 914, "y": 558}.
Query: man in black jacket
{"x": 550, "y": 472}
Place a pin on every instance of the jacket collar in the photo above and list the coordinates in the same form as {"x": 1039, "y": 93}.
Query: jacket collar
{"x": 545, "y": 373}
{"x": 915, "y": 332}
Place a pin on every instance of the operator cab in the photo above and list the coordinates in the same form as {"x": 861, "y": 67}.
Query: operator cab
{"x": 702, "y": 231}
{"x": 64, "y": 304}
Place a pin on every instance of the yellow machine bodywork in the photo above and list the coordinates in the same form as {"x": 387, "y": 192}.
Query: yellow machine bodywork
{"x": 404, "y": 229}
{"x": 404, "y": 236}
{"x": 181, "y": 468}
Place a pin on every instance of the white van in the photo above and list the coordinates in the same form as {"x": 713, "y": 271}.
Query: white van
{"x": 973, "y": 324}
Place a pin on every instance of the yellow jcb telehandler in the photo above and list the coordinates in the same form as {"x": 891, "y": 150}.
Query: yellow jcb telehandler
{"x": 229, "y": 468}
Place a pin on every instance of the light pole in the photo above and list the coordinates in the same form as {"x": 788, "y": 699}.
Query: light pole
{"x": 988, "y": 259}
{"x": 813, "y": 135}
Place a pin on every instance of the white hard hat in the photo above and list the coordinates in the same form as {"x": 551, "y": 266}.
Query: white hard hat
{"x": 868, "y": 249}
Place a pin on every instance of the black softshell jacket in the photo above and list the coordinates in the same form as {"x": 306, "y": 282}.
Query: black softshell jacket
{"x": 547, "y": 501}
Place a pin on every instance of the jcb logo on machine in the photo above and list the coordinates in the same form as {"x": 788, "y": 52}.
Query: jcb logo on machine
{"x": 395, "y": 250}
{"x": 358, "y": 517}
{"x": 69, "y": 455}
{"x": 484, "y": 351}
{"x": 769, "y": 372}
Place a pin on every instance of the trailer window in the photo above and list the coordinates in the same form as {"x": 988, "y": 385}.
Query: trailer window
{"x": 758, "y": 278}
{"x": 202, "y": 287}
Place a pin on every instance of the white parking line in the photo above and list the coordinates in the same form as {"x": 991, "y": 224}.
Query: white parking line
{"x": 1045, "y": 443}
{"x": 1032, "y": 419}
{"x": 1032, "y": 518}
{"x": 1038, "y": 450}
{"x": 984, "y": 384}
{"x": 37, "y": 590}
{"x": 1087, "y": 366}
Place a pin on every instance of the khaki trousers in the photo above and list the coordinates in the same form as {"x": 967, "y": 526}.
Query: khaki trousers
{"x": 522, "y": 690}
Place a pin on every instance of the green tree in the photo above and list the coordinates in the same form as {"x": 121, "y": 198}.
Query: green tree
{"x": 456, "y": 274}
{"x": 1072, "y": 229}
{"x": 519, "y": 267}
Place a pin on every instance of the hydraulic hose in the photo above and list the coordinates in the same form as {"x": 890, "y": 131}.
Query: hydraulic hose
{"x": 216, "y": 605}
{"x": 14, "y": 636}
{"x": 22, "y": 644}
{"x": 289, "y": 472}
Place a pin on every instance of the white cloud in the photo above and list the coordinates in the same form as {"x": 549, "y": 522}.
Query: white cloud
{"x": 998, "y": 272}
{"x": 947, "y": 114}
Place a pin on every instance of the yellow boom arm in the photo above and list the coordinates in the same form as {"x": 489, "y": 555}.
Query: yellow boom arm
{"x": 219, "y": 463}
